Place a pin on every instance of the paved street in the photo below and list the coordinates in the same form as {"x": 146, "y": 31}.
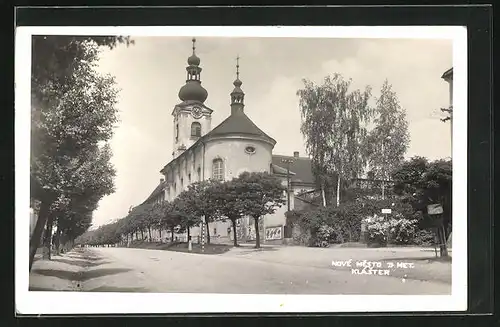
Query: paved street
{"x": 280, "y": 270}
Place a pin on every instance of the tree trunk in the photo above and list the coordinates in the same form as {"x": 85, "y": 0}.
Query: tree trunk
{"x": 208, "y": 232}
{"x": 47, "y": 240}
{"x": 323, "y": 195}
{"x": 338, "y": 191}
{"x": 188, "y": 234}
{"x": 142, "y": 235}
{"x": 150, "y": 237}
{"x": 159, "y": 232}
{"x": 443, "y": 250}
{"x": 57, "y": 241}
{"x": 37, "y": 232}
{"x": 172, "y": 233}
{"x": 234, "y": 231}
{"x": 257, "y": 235}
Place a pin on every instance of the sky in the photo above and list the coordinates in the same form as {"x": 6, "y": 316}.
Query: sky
{"x": 150, "y": 73}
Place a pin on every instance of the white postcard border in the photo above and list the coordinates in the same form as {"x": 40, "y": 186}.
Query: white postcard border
{"x": 136, "y": 303}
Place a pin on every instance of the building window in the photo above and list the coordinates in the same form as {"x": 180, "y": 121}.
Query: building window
{"x": 199, "y": 174}
{"x": 250, "y": 149}
{"x": 215, "y": 230}
{"x": 218, "y": 170}
{"x": 189, "y": 178}
{"x": 195, "y": 129}
{"x": 182, "y": 183}
{"x": 176, "y": 132}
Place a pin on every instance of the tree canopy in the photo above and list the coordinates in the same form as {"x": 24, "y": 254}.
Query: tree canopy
{"x": 388, "y": 141}
{"x": 73, "y": 113}
{"x": 334, "y": 119}
{"x": 259, "y": 194}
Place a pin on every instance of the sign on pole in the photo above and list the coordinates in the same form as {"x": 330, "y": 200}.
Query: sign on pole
{"x": 386, "y": 211}
{"x": 434, "y": 209}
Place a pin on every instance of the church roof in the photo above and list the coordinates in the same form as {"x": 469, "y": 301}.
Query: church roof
{"x": 238, "y": 123}
{"x": 301, "y": 167}
{"x": 156, "y": 191}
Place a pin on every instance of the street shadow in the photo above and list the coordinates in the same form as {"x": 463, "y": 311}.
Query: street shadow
{"x": 41, "y": 289}
{"x": 430, "y": 259}
{"x": 79, "y": 276}
{"x": 83, "y": 257}
{"x": 118, "y": 289}
{"x": 246, "y": 250}
{"x": 81, "y": 262}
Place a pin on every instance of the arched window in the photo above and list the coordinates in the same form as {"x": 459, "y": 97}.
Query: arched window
{"x": 196, "y": 129}
{"x": 218, "y": 169}
{"x": 199, "y": 174}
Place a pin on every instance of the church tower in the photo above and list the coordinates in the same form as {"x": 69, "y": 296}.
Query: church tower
{"x": 237, "y": 96}
{"x": 192, "y": 118}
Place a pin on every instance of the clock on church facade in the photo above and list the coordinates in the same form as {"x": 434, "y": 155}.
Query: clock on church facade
{"x": 196, "y": 112}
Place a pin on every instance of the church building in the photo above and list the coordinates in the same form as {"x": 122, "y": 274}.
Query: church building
{"x": 236, "y": 145}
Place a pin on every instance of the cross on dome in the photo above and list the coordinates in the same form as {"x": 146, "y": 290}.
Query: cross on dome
{"x": 194, "y": 60}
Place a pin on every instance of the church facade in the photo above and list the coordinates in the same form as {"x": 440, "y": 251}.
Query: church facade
{"x": 236, "y": 145}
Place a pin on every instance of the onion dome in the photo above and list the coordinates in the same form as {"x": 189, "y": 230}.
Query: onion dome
{"x": 192, "y": 90}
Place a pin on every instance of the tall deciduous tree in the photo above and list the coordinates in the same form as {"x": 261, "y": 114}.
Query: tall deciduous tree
{"x": 334, "y": 120}
{"x": 422, "y": 183}
{"x": 184, "y": 213}
{"x": 168, "y": 219}
{"x": 73, "y": 110}
{"x": 388, "y": 141}
{"x": 199, "y": 198}
{"x": 225, "y": 197}
{"x": 259, "y": 194}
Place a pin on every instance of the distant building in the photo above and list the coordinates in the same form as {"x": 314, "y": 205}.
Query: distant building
{"x": 448, "y": 77}
{"x": 236, "y": 145}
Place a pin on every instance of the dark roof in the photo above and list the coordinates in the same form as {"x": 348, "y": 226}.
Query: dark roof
{"x": 238, "y": 123}
{"x": 301, "y": 167}
{"x": 156, "y": 191}
{"x": 448, "y": 73}
{"x": 280, "y": 170}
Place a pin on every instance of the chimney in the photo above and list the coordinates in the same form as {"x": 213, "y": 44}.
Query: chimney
{"x": 296, "y": 154}
{"x": 162, "y": 180}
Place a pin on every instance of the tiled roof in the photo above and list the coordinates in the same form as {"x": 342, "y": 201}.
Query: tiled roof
{"x": 156, "y": 191}
{"x": 280, "y": 170}
{"x": 238, "y": 123}
{"x": 301, "y": 167}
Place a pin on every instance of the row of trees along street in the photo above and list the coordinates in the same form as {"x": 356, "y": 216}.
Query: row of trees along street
{"x": 349, "y": 135}
{"x": 73, "y": 113}
{"x": 248, "y": 195}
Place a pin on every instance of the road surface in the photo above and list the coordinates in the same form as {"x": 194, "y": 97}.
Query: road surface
{"x": 282, "y": 271}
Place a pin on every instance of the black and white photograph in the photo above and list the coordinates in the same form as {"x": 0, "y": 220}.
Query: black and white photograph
{"x": 240, "y": 169}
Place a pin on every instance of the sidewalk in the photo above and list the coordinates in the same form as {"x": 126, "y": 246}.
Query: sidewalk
{"x": 59, "y": 274}
{"x": 84, "y": 270}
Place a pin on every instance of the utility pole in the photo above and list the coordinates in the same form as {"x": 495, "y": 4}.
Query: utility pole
{"x": 288, "y": 162}
{"x": 388, "y": 138}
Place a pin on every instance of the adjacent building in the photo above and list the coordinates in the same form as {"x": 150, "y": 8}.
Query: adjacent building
{"x": 448, "y": 77}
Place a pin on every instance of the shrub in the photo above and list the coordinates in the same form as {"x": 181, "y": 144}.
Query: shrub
{"x": 402, "y": 231}
{"x": 424, "y": 237}
{"x": 377, "y": 230}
